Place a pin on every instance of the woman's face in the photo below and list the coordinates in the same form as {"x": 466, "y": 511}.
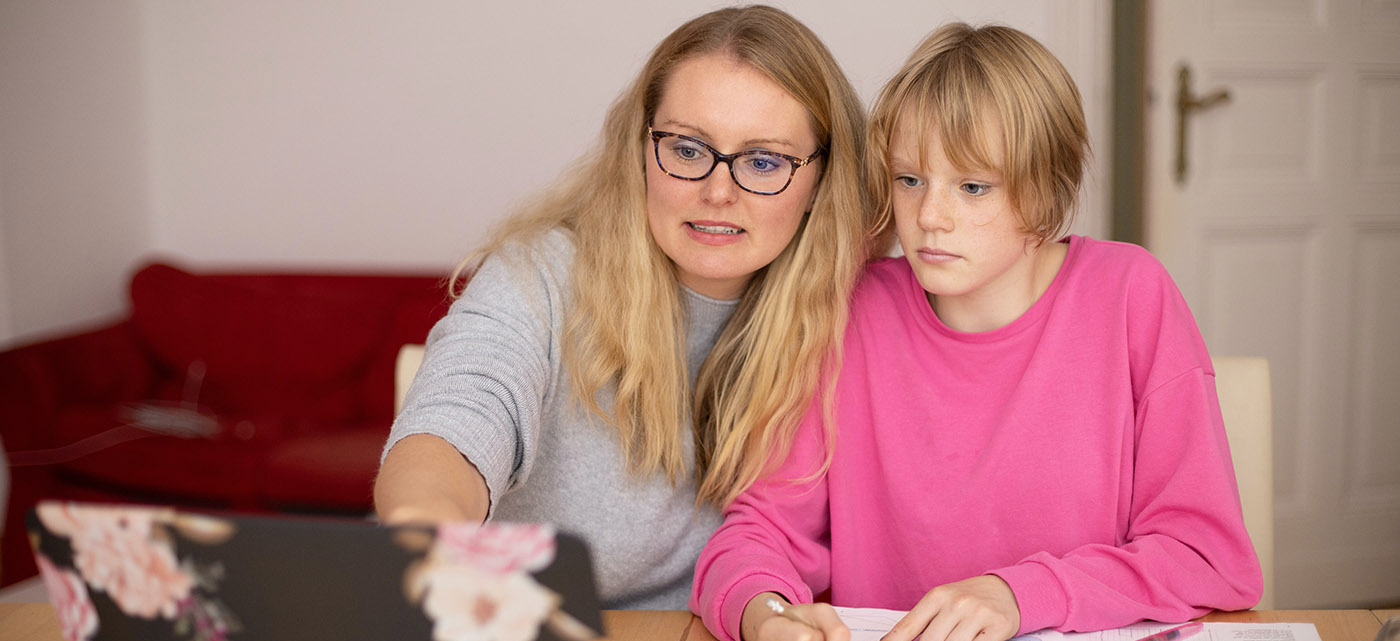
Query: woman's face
{"x": 717, "y": 234}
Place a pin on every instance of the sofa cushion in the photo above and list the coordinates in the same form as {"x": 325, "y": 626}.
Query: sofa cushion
{"x": 227, "y": 468}
{"x": 263, "y": 350}
{"x": 326, "y": 471}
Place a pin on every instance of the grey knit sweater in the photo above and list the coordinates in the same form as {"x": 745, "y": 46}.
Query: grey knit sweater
{"x": 493, "y": 384}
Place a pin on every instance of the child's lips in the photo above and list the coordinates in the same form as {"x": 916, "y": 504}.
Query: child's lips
{"x": 935, "y": 256}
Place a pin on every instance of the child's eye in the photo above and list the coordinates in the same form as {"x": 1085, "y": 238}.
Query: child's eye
{"x": 907, "y": 181}
{"x": 975, "y": 189}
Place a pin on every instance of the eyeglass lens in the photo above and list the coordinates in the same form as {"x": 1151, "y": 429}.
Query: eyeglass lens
{"x": 754, "y": 170}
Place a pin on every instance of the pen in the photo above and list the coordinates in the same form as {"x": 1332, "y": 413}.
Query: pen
{"x": 1174, "y": 634}
{"x": 777, "y": 607}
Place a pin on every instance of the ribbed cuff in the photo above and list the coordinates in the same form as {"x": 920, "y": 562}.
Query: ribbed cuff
{"x": 733, "y": 600}
{"x": 1039, "y": 595}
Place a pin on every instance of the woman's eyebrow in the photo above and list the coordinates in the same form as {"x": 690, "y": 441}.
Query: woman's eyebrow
{"x": 699, "y": 132}
{"x": 690, "y": 130}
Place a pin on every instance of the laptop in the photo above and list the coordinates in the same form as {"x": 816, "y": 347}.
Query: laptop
{"x": 132, "y": 572}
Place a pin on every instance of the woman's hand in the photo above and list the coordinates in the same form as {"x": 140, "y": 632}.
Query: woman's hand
{"x": 961, "y": 611}
{"x": 816, "y": 622}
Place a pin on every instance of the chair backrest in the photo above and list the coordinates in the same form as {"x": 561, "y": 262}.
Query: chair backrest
{"x": 1242, "y": 383}
{"x": 405, "y": 368}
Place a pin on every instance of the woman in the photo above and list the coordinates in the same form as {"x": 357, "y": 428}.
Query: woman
{"x": 640, "y": 331}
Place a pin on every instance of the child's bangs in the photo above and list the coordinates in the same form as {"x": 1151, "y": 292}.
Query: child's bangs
{"x": 953, "y": 100}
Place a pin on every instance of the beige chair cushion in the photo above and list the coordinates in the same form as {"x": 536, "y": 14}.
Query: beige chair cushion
{"x": 405, "y": 368}
{"x": 1242, "y": 384}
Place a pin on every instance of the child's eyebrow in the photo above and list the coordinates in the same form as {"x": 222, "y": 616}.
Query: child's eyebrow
{"x": 900, "y": 162}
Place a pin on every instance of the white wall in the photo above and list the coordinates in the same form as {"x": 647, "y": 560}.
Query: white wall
{"x": 350, "y": 134}
{"x": 6, "y": 325}
{"x": 73, "y": 212}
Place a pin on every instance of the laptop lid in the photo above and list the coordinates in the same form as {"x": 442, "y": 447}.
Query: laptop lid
{"x": 127, "y": 573}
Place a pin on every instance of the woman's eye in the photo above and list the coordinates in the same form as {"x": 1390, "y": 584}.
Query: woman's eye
{"x": 975, "y": 189}
{"x": 687, "y": 152}
{"x": 762, "y": 164}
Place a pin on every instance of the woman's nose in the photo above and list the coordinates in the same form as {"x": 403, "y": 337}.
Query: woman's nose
{"x": 719, "y": 187}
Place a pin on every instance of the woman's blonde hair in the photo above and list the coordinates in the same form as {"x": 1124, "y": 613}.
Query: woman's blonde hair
{"x": 625, "y": 332}
{"x": 961, "y": 75}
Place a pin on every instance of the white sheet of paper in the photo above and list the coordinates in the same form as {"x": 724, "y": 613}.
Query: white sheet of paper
{"x": 869, "y": 624}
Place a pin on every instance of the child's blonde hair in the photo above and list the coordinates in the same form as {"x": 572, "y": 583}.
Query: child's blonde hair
{"x": 959, "y": 77}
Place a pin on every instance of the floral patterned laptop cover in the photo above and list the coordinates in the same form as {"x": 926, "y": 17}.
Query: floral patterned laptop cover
{"x": 123, "y": 573}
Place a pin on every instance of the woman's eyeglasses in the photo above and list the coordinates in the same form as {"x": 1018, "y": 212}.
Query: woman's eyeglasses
{"x": 756, "y": 171}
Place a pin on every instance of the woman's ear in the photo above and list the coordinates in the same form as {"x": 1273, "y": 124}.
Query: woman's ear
{"x": 812, "y": 202}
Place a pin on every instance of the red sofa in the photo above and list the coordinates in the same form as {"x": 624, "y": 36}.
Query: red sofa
{"x": 281, "y": 385}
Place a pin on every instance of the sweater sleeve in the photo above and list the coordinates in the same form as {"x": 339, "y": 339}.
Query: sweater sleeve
{"x": 774, "y": 538}
{"x": 1185, "y": 550}
{"x": 489, "y": 363}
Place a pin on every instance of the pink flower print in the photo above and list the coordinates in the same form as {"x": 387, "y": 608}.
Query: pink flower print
{"x": 62, "y": 519}
{"x": 77, "y": 618}
{"x": 119, "y": 552}
{"x": 497, "y": 547}
{"x": 467, "y": 603}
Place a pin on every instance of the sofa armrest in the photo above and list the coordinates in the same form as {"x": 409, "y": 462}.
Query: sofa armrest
{"x": 100, "y": 366}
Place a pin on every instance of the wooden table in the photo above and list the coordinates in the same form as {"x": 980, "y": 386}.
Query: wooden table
{"x": 36, "y": 622}
{"x": 1332, "y": 625}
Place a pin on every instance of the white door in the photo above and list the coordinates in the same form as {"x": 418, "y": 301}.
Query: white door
{"x": 1284, "y": 236}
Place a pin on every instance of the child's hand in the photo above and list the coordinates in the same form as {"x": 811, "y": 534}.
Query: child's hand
{"x": 810, "y": 622}
{"x": 960, "y": 612}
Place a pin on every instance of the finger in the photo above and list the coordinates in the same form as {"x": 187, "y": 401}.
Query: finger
{"x": 915, "y": 621}
{"x": 964, "y": 628}
{"x": 828, "y": 621}
{"x": 969, "y": 622}
{"x": 941, "y": 626}
{"x": 784, "y": 629}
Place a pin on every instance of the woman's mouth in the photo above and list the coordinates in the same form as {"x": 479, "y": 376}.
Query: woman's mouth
{"x": 714, "y": 233}
{"x": 715, "y": 229}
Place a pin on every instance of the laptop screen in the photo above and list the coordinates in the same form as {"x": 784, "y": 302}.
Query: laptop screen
{"x": 137, "y": 572}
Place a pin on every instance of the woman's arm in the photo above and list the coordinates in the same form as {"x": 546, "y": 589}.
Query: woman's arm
{"x": 425, "y": 479}
{"x": 471, "y": 421}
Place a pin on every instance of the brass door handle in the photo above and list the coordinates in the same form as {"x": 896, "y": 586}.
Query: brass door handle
{"x": 1186, "y": 103}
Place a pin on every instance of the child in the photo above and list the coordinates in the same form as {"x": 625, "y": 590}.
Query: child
{"x": 1026, "y": 433}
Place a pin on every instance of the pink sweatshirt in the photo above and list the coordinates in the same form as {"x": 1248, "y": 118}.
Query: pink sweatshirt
{"x": 1077, "y": 453}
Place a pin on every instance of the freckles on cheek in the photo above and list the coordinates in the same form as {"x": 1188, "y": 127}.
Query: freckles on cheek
{"x": 905, "y": 213}
{"x": 985, "y": 217}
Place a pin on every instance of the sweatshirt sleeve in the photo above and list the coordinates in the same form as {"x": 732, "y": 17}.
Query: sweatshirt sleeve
{"x": 1185, "y": 550}
{"x": 489, "y": 363}
{"x": 774, "y": 538}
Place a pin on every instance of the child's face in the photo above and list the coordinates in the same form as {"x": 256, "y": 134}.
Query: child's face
{"x": 958, "y": 229}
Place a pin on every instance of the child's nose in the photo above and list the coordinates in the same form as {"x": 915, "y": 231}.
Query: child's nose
{"x": 935, "y": 213}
